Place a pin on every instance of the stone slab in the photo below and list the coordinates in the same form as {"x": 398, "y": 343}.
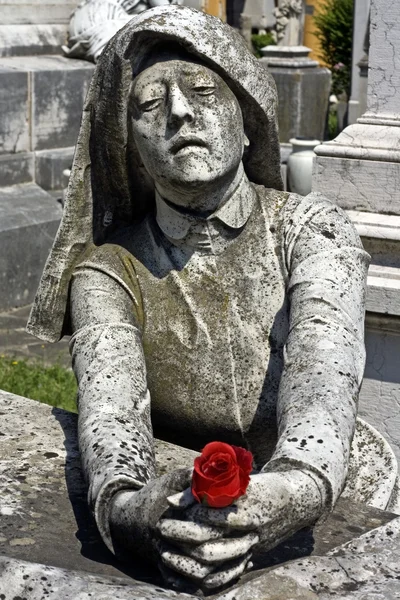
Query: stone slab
{"x": 16, "y": 168}
{"x": 14, "y": 110}
{"x": 28, "y": 40}
{"x": 29, "y": 219}
{"x": 45, "y": 520}
{"x": 49, "y": 167}
{"x": 58, "y": 94}
{"x": 57, "y": 89}
{"x": 43, "y": 495}
{"x": 367, "y": 568}
{"x": 18, "y": 578}
{"x": 380, "y": 235}
{"x": 359, "y": 185}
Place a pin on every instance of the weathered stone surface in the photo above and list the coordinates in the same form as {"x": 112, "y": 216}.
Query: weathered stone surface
{"x": 14, "y": 114}
{"x": 353, "y": 182}
{"x": 360, "y": 169}
{"x": 28, "y": 40}
{"x": 40, "y": 581}
{"x": 182, "y": 309}
{"x": 57, "y": 89}
{"x": 16, "y": 168}
{"x": 45, "y": 520}
{"x": 15, "y": 12}
{"x": 360, "y": 569}
{"x": 29, "y": 218}
{"x": 49, "y": 167}
{"x": 43, "y": 495}
{"x": 303, "y": 94}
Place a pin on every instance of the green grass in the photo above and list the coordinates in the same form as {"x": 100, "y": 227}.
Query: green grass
{"x": 53, "y": 385}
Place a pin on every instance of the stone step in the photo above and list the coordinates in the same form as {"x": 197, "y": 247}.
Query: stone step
{"x": 383, "y": 291}
{"x": 29, "y": 219}
{"x": 380, "y": 234}
{"x": 44, "y": 167}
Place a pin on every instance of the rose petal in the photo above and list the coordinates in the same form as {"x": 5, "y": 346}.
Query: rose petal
{"x": 244, "y": 458}
{"x": 221, "y": 474}
{"x": 214, "y": 447}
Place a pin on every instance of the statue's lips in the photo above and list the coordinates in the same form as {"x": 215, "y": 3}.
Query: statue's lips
{"x": 184, "y": 144}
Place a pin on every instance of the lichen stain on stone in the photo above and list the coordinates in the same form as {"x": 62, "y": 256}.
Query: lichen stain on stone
{"x": 22, "y": 542}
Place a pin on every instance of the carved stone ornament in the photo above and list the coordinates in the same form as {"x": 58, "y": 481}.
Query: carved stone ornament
{"x": 94, "y": 22}
{"x": 205, "y": 304}
{"x": 289, "y": 17}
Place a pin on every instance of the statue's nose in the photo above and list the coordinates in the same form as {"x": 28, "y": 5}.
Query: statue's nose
{"x": 179, "y": 107}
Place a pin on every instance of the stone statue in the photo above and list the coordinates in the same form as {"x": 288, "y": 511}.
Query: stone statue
{"x": 289, "y": 16}
{"x": 204, "y": 304}
{"x": 94, "y": 22}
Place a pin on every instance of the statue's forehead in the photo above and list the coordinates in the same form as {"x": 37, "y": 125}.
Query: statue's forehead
{"x": 175, "y": 69}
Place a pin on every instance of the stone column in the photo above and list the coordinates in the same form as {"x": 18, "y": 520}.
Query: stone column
{"x": 360, "y": 169}
{"x": 357, "y": 103}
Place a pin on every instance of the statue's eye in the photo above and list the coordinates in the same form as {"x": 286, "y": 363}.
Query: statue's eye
{"x": 149, "y": 105}
{"x": 204, "y": 90}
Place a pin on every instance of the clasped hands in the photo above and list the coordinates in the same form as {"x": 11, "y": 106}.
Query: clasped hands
{"x": 213, "y": 546}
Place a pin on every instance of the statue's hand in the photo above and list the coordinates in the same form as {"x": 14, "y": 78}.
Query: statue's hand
{"x": 214, "y": 545}
{"x": 135, "y": 513}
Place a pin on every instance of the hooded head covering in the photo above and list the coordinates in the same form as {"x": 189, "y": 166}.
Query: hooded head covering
{"x": 109, "y": 187}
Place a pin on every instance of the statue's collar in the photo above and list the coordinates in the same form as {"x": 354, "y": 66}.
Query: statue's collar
{"x": 234, "y": 213}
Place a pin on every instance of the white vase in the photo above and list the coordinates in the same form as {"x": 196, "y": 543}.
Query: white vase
{"x": 300, "y": 165}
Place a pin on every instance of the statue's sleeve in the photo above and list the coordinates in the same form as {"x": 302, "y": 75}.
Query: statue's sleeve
{"x": 324, "y": 357}
{"x": 114, "y": 426}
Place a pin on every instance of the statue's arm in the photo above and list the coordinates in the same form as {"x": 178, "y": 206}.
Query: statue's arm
{"x": 115, "y": 433}
{"x": 324, "y": 353}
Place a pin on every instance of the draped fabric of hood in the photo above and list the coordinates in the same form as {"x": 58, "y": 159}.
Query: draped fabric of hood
{"x": 109, "y": 187}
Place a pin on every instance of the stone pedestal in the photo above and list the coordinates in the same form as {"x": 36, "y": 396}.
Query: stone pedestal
{"x": 366, "y": 155}
{"x": 360, "y": 170}
{"x": 303, "y": 91}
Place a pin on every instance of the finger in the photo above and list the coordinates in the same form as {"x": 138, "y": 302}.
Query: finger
{"x": 222, "y": 550}
{"x": 185, "y": 565}
{"x": 181, "y": 500}
{"x": 187, "y": 531}
{"x": 232, "y": 517}
{"x": 173, "y": 579}
{"x": 226, "y": 573}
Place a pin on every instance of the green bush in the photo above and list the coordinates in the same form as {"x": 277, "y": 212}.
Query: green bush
{"x": 53, "y": 385}
{"x": 259, "y": 41}
{"x": 334, "y": 24}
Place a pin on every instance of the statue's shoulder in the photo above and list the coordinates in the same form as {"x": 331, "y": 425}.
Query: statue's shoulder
{"x": 288, "y": 208}
{"x": 115, "y": 257}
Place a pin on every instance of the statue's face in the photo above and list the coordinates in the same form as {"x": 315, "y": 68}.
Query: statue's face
{"x": 187, "y": 125}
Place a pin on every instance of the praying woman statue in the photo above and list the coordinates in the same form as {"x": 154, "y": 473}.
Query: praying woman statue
{"x": 204, "y": 303}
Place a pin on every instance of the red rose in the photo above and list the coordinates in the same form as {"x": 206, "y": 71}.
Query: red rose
{"x": 221, "y": 474}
